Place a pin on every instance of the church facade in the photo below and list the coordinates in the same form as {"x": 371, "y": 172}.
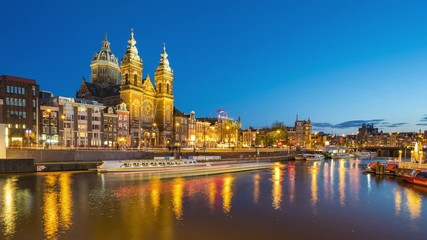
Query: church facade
{"x": 150, "y": 105}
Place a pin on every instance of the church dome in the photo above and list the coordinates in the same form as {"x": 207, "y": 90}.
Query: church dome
{"x": 105, "y": 66}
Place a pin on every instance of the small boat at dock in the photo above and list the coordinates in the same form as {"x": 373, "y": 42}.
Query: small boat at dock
{"x": 314, "y": 157}
{"x": 417, "y": 176}
{"x": 387, "y": 168}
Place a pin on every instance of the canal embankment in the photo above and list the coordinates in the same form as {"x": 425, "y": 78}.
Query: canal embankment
{"x": 32, "y": 160}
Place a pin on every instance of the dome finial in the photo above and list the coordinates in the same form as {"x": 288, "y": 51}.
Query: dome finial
{"x": 106, "y": 36}
{"x": 131, "y": 33}
{"x": 164, "y": 47}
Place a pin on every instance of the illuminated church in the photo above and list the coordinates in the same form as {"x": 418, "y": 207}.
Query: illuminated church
{"x": 150, "y": 106}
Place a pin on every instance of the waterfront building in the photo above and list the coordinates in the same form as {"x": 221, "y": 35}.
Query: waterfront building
{"x": 303, "y": 132}
{"x": 110, "y": 127}
{"x": 81, "y": 122}
{"x": 249, "y": 137}
{"x": 18, "y": 109}
{"x": 48, "y": 126}
{"x": 150, "y": 106}
{"x": 123, "y": 126}
{"x": 181, "y": 128}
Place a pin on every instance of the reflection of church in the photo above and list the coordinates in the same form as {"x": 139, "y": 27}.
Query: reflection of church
{"x": 150, "y": 107}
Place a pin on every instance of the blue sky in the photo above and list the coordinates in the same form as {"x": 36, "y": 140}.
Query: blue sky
{"x": 339, "y": 62}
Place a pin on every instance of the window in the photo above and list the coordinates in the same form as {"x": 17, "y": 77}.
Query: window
{"x": 34, "y": 103}
{"x": 23, "y": 91}
{"x": 8, "y": 89}
{"x": 34, "y": 90}
{"x": 7, "y": 100}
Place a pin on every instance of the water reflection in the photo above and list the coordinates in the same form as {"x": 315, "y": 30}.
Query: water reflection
{"x": 314, "y": 196}
{"x": 127, "y": 206}
{"x": 9, "y": 208}
{"x": 212, "y": 194}
{"x": 276, "y": 193}
{"x": 57, "y": 204}
{"x": 178, "y": 192}
{"x": 155, "y": 185}
{"x": 227, "y": 194}
{"x": 341, "y": 183}
{"x": 413, "y": 203}
{"x": 256, "y": 188}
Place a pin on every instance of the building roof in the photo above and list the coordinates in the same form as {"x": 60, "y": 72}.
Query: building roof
{"x": 17, "y": 79}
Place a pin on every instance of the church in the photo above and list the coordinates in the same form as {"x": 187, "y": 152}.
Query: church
{"x": 150, "y": 106}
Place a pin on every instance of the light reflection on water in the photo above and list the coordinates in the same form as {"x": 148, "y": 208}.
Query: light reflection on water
{"x": 128, "y": 206}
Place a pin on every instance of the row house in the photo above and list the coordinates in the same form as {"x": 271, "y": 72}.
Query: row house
{"x": 18, "y": 109}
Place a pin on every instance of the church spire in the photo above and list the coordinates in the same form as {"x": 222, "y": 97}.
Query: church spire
{"x": 164, "y": 62}
{"x": 106, "y": 43}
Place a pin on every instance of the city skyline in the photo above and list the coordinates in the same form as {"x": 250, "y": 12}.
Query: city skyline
{"x": 339, "y": 64}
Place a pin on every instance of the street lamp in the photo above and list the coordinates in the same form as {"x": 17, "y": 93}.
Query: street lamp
{"x": 178, "y": 137}
{"x": 228, "y": 132}
{"x": 155, "y": 134}
{"x": 64, "y": 137}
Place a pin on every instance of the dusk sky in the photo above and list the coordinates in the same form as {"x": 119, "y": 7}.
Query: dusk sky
{"x": 339, "y": 62}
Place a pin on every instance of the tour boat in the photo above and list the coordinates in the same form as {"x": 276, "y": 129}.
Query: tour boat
{"x": 177, "y": 166}
{"x": 314, "y": 157}
{"x": 362, "y": 155}
{"x": 299, "y": 157}
{"x": 417, "y": 176}
{"x": 370, "y": 167}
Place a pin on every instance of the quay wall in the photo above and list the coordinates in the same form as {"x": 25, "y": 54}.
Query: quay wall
{"x": 28, "y": 160}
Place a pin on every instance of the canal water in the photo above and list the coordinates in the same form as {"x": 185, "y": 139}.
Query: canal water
{"x": 331, "y": 199}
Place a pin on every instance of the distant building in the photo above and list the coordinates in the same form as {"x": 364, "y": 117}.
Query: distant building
{"x": 123, "y": 126}
{"x": 365, "y": 133}
{"x": 82, "y": 124}
{"x": 150, "y": 105}
{"x": 300, "y": 134}
{"x": 110, "y": 128}
{"x": 18, "y": 109}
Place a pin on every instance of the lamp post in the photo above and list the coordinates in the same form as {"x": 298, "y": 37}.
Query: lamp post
{"x": 64, "y": 137}
{"x": 228, "y": 133}
{"x": 155, "y": 134}
{"x": 48, "y": 138}
{"x": 178, "y": 137}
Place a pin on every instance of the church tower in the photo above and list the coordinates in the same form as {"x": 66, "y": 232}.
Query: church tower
{"x": 139, "y": 96}
{"x": 104, "y": 66}
{"x": 132, "y": 64}
{"x": 163, "y": 78}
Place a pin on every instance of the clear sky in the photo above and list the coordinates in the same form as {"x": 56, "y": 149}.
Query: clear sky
{"x": 339, "y": 62}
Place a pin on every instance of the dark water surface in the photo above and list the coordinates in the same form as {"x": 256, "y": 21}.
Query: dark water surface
{"x": 330, "y": 199}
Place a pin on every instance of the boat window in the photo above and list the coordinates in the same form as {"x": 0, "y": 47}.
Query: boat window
{"x": 422, "y": 175}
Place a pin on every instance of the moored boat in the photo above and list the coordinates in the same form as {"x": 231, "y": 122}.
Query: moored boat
{"x": 314, "y": 157}
{"x": 299, "y": 157}
{"x": 177, "y": 166}
{"x": 388, "y": 168}
{"x": 362, "y": 155}
{"x": 417, "y": 176}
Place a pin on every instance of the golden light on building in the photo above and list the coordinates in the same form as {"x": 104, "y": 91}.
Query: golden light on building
{"x": 227, "y": 194}
{"x": 276, "y": 193}
{"x": 177, "y": 195}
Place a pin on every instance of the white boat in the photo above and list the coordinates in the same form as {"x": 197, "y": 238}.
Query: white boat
{"x": 337, "y": 152}
{"x": 314, "y": 157}
{"x": 373, "y": 154}
{"x": 187, "y": 167}
{"x": 299, "y": 157}
{"x": 362, "y": 154}
{"x": 144, "y": 165}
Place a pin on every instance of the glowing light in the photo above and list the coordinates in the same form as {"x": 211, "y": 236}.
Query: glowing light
{"x": 341, "y": 184}
{"x": 314, "y": 193}
{"x": 65, "y": 200}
